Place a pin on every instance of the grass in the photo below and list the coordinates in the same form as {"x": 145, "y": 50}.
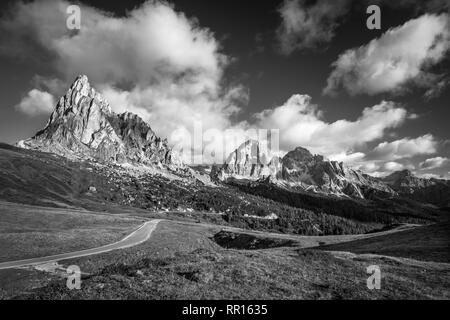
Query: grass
{"x": 28, "y": 231}
{"x": 43, "y": 179}
{"x": 231, "y": 240}
{"x": 428, "y": 243}
{"x": 182, "y": 261}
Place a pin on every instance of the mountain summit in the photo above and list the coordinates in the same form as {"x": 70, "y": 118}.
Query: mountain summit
{"x": 299, "y": 169}
{"x": 251, "y": 159}
{"x": 83, "y": 126}
{"x": 434, "y": 191}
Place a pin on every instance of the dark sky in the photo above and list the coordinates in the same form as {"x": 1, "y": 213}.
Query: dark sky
{"x": 247, "y": 31}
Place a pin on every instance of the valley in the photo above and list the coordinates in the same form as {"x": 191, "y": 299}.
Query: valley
{"x": 255, "y": 227}
{"x": 182, "y": 260}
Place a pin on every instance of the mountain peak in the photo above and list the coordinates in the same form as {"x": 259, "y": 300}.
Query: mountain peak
{"x": 406, "y": 172}
{"x": 299, "y": 168}
{"x": 82, "y": 80}
{"x": 81, "y": 84}
{"x": 400, "y": 175}
{"x": 301, "y": 154}
{"x": 83, "y": 126}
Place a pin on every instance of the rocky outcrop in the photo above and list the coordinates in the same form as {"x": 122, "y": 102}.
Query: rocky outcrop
{"x": 406, "y": 181}
{"x": 300, "y": 169}
{"x": 83, "y": 126}
{"x": 300, "y": 166}
{"x": 433, "y": 191}
{"x": 250, "y": 160}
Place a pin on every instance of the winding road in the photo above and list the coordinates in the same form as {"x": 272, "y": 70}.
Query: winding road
{"x": 138, "y": 236}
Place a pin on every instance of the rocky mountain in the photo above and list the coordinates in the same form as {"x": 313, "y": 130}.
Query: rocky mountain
{"x": 250, "y": 160}
{"x": 434, "y": 191}
{"x": 83, "y": 126}
{"x": 314, "y": 172}
{"x": 300, "y": 169}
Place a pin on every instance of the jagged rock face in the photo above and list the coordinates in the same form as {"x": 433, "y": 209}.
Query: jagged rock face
{"x": 249, "y": 160}
{"x": 84, "y": 126}
{"x": 299, "y": 164}
{"x": 434, "y": 191}
{"x": 406, "y": 181}
{"x": 299, "y": 168}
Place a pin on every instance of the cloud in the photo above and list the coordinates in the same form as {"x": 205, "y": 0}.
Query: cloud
{"x": 390, "y": 63}
{"x": 306, "y": 26}
{"x": 55, "y": 86}
{"x": 404, "y": 148}
{"x": 392, "y": 166}
{"x": 433, "y": 163}
{"x": 438, "y": 87}
{"x": 382, "y": 169}
{"x": 432, "y": 176}
{"x": 347, "y": 158}
{"x": 154, "y": 61}
{"x": 417, "y": 6}
{"x": 301, "y": 124}
{"x": 150, "y": 43}
{"x": 36, "y": 102}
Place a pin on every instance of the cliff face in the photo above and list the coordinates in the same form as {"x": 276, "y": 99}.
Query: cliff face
{"x": 249, "y": 160}
{"x": 406, "y": 181}
{"x": 312, "y": 171}
{"x": 434, "y": 191}
{"x": 301, "y": 169}
{"x": 83, "y": 126}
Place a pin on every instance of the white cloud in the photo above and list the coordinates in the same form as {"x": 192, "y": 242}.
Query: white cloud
{"x": 392, "y": 166}
{"x": 438, "y": 87}
{"x": 55, "y": 86}
{"x": 429, "y": 176}
{"x": 36, "y": 102}
{"x": 381, "y": 169}
{"x": 348, "y": 158}
{"x": 401, "y": 56}
{"x": 377, "y": 168}
{"x": 161, "y": 65}
{"x": 155, "y": 61}
{"x": 307, "y": 26}
{"x": 301, "y": 124}
{"x": 433, "y": 163}
{"x": 151, "y": 43}
{"x": 404, "y": 148}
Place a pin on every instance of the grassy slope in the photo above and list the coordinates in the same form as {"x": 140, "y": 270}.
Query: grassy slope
{"x": 428, "y": 243}
{"x": 381, "y": 210}
{"x": 182, "y": 262}
{"x": 44, "y": 179}
{"x": 28, "y": 231}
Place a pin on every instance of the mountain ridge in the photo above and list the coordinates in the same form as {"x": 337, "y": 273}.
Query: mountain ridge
{"x": 300, "y": 169}
{"x": 83, "y": 126}
{"x": 434, "y": 191}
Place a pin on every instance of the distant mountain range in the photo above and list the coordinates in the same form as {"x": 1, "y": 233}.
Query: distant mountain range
{"x": 83, "y": 127}
{"x": 435, "y": 191}
{"x": 301, "y": 170}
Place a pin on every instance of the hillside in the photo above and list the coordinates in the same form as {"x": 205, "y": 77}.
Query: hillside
{"x": 43, "y": 179}
{"x": 427, "y": 243}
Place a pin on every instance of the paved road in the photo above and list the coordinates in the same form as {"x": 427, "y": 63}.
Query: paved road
{"x": 138, "y": 236}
